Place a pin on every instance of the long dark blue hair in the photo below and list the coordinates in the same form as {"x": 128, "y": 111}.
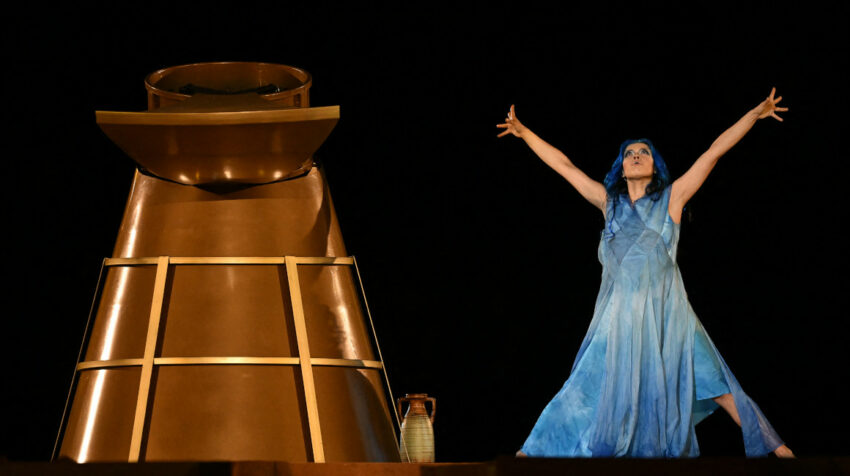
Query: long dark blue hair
{"x": 615, "y": 184}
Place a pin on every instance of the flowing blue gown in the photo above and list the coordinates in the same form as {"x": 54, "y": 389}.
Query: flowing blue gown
{"x": 646, "y": 370}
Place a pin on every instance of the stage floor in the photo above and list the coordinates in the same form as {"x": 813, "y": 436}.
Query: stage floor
{"x": 499, "y": 467}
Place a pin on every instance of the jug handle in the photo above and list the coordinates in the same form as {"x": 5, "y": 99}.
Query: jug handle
{"x": 400, "y": 401}
{"x": 433, "y": 401}
{"x": 433, "y": 407}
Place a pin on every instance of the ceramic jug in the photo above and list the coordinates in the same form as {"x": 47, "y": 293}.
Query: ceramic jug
{"x": 416, "y": 443}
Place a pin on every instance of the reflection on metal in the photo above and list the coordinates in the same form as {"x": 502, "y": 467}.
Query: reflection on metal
{"x": 106, "y": 351}
{"x": 79, "y": 359}
{"x": 91, "y": 415}
{"x": 228, "y": 324}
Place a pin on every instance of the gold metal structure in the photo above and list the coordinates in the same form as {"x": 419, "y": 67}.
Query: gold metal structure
{"x": 228, "y": 325}
{"x": 306, "y": 363}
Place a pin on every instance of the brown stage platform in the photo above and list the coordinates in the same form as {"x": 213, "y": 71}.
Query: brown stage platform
{"x": 499, "y": 467}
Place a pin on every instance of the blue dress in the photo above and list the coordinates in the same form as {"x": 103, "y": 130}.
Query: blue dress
{"x": 646, "y": 370}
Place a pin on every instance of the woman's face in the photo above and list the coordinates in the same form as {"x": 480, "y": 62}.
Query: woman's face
{"x": 637, "y": 161}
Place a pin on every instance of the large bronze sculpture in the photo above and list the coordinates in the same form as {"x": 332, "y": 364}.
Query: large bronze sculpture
{"x": 230, "y": 324}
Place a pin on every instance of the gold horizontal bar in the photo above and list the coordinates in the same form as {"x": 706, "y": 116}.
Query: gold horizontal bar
{"x": 361, "y": 364}
{"x": 324, "y": 260}
{"x": 229, "y": 260}
{"x": 316, "y": 362}
{"x": 153, "y": 118}
{"x": 227, "y": 361}
{"x": 130, "y": 261}
{"x": 225, "y": 260}
{"x": 105, "y": 364}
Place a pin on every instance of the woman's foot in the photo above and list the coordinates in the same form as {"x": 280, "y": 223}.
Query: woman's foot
{"x": 784, "y": 452}
{"x": 520, "y": 454}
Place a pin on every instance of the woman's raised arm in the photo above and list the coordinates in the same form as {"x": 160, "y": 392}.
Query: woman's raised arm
{"x": 591, "y": 190}
{"x": 687, "y": 185}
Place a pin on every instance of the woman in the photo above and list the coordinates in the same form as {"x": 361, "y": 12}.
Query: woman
{"x": 646, "y": 371}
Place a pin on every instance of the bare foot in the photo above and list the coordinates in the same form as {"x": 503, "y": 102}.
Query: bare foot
{"x": 784, "y": 452}
{"x": 520, "y": 454}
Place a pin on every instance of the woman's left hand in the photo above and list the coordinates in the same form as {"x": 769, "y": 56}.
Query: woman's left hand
{"x": 768, "y": 107}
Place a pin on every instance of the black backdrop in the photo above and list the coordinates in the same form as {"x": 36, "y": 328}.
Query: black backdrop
{"x": 479, "y": 262}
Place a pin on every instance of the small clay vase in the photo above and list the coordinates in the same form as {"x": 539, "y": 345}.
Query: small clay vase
{"x": 416, "y": 443}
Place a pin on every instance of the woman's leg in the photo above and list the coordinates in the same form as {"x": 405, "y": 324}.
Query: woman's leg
{"x": 728, "y": 403}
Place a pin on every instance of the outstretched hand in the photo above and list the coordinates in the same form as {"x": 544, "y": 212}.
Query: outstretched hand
{"x": 511, "y": 125}
{"x": 768, "y": 107}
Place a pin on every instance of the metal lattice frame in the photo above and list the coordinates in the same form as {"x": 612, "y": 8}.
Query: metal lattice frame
{"x": 304, "y": 360}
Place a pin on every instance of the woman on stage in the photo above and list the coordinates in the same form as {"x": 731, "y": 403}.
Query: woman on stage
{"x": 646, "y": 372}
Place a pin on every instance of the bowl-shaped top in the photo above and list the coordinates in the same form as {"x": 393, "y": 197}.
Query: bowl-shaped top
{"x": 275, "y": 83}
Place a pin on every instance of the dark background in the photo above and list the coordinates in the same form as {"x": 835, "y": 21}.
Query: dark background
{"x": 479, "y": 262}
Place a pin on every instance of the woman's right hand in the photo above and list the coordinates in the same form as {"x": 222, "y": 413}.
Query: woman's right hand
{"x": 511, "y": 125}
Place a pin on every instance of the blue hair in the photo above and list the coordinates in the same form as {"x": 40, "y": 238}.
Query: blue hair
{"x": 615, "y": 184}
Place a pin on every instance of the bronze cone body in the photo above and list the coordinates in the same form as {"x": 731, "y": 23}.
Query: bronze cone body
{"x": 191, "y": 356}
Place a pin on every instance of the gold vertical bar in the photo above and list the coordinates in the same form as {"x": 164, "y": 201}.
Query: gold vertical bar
{"x": 304, "y": 356}
{"x": 147, "y": 361}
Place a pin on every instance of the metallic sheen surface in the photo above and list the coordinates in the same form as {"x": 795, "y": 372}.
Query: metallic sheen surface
{"x": 102, "y": 415}
{"x": 209, "y": 146}
{"x": 238, "y": 410}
